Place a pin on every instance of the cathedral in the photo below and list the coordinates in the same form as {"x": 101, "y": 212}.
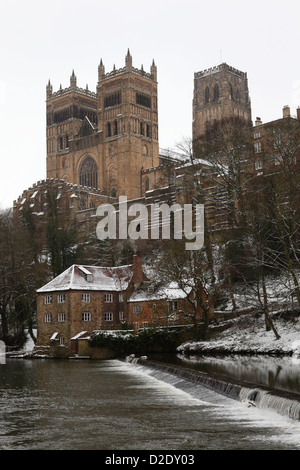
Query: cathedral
{"x": 104, "y": 144}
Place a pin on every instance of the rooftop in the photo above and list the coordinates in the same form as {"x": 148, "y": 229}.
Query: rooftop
{"x": 90, "y": 278}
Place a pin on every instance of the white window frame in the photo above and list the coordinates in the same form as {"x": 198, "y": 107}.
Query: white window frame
{"x": 121, "y": 297}
{"x": 108, "y": 298}
{"x": 108, "y": 316}
{"x": 47, "y": 318}
{"x": 259, "y": 165}
{"x": 136, "y": 309}
{"x": 61, "y": 298}
{"x": 86, "y": 316}
{"x": 258, "y": 147}
{"x": 61, "y": 341}
{"x": 85, "y": 297}
{"x": 48, "y": 299}
{"x": 61, "y": 317}
{"x": 121, "y": 316}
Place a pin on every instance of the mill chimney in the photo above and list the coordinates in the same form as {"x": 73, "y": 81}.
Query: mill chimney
{"x": 286, "y": 112}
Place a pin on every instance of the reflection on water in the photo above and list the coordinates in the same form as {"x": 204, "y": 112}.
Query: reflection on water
{"x": 281, "y": 373}
{"x": 111, "y": 405}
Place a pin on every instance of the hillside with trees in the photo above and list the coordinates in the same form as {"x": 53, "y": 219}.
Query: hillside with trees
{"x": 250, "y": 260}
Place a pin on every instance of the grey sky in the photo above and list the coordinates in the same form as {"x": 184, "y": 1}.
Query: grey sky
{"x": 42, "y": 40}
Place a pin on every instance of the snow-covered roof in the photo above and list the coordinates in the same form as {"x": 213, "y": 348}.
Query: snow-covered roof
{"x": 169, "y": 292}
{"x": 93, "y": 278}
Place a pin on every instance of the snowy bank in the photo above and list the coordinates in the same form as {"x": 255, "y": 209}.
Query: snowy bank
{"x": 248, "y": 335}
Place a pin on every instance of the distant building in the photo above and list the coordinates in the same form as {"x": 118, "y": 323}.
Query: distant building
{"x": 276, "y": 144}
{"x": 220, "y": 92}
{"x": 166, "y": 305}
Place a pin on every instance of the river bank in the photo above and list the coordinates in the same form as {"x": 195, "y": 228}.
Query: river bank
{"x": 247, "y": 334}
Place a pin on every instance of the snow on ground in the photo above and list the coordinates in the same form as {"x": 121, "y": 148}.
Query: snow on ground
{"x": 248, "y": 334}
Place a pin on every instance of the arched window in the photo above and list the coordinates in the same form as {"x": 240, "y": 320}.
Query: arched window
{"x": 88, "y": 174}
{"x": 207, "y": 95}
{"x": 216, "y": 92}
{"x": 115, "y": 127}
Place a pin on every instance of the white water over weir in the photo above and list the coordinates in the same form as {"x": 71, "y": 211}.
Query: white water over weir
{"x": 284, "y": 403}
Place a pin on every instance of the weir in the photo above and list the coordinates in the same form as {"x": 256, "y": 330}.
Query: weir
{"x": 284, "y": 403}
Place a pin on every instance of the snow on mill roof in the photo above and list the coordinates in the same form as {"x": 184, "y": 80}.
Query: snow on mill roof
{"x": 169, "y": 292}
{"x": 94, "y": 278}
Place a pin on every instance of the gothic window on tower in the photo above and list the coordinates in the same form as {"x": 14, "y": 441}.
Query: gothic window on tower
{"x": 115, "y": 127}
{"x": 216, "y": 92}
{"x": 143, "y": 100}
{"x": 207, "y": 95}
{"x": 88, "y": 174}
{"x": 112, "y": 100}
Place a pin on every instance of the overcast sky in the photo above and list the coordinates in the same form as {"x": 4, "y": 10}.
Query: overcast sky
{"x": 42, "y": 40}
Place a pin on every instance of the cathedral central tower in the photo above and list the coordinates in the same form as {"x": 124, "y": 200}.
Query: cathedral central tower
{"x": 220, "y": 92}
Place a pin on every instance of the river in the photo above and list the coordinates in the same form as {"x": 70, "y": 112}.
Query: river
{"x": 115, "y": 405}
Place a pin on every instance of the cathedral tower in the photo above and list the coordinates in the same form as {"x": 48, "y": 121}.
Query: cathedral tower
{"x": 220, "y": 92}
{"x": 66, "y": 111}
{"x": 128, "y": 120}
{"x": 103, "y": 140}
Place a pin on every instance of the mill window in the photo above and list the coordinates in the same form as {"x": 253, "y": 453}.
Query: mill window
{"x": 48, "y": 318}
{"x": 136, "y": 309}
{"x": 86, "y": 316}
{"x": 48, "y": 299}
{"x": 86, "y": 297}
{"x": 108, "y": 316}
{"x": 61, "y": 298}
{"x": 61, "y": 317}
